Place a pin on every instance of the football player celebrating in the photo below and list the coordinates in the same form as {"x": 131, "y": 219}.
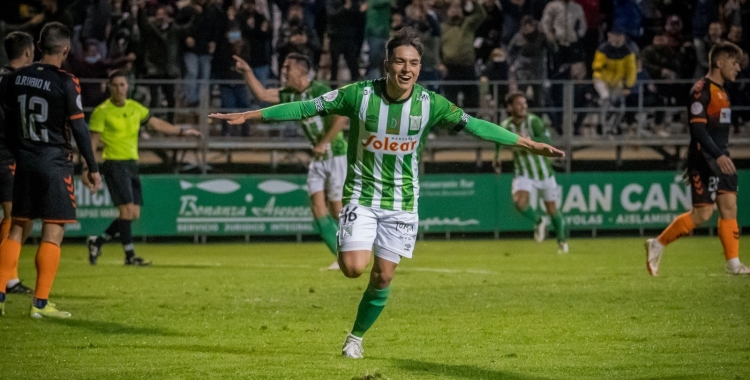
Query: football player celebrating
{"x": 390, "y": 120}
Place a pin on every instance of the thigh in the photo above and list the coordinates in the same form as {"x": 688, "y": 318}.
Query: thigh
{"x": 521, "y": 183}
{"x": 703, "y": 186}
{"x": 7, "y": 169}
{"x": 316, "y": 177}
{"x": 119, "y": 182}
{"x": 358, "y": 227}
{"x": 397, "y": 231}
{"x": 550, "y": 190}
{"x": 335, "y": 177}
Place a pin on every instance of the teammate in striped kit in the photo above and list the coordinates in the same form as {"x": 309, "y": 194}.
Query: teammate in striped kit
{"x": 533, "y": 173}
{"x": 390, "y": 121}
{"x": 327, "y": 171}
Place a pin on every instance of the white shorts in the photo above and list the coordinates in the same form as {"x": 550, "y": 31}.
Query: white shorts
{"x": 328, "y": 175}
{"x": 548, "y": 187}
{"x": 390, "y": 234}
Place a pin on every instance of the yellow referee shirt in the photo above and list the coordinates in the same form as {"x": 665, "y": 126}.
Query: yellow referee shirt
{"x": 119, "y": 128}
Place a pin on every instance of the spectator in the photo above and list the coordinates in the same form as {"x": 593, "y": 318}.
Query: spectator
{"x": 651, "y": 98}
{"x": 199, "y": 45}
{"x": 92, "y": 65}
{"x": 614, "y": 74}
{"x": 161, "y": 55}
{"x": 739, "y": 92}
{"x": 704, "y": 45}
{"x": 628, "y": 17}
{"x": 590, "y": 41}
{"x": 297, "y": 36}
{"x": 564, "y": 23}
{"x": 257, "y": 33}
{"x": 457, "y": 50}
{"x": 377, "y": 19}
{"x": 496, "y": 69}
{"x": 344, "y": 28}
{"x": 662, "y": 63}
{"x": 513, "y": 12}
{"x": 705, "y": 13}
{"x": 233, "y": 96}
{"x": 489, "y": 32}
{"x": 527, "y": 53}
{"x": 52, "y": 12}
{"x": 734, "y": 35}
{"x": 97, "y": 24}
{"x": 584, "y": 95}
{"x": 653, "y": 21}
{"x": 425, "y": 22}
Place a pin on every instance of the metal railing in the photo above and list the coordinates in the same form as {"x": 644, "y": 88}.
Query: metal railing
{"x": 563, "y": 110}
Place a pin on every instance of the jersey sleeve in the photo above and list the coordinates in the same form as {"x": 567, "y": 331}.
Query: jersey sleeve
{"x": 448, "y": 115}
{"x": 698, "y": 118}
{"x": 336, "y": 102}
{"x": 541, "y": 133}
{"x": 143, "y": 112}
{"x": 73, "y": 99}
{"x": 96, "y": 121}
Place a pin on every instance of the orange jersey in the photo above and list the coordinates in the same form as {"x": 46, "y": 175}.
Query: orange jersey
{"x": 710, "y": 120}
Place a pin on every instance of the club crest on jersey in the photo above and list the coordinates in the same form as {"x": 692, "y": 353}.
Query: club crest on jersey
{"x": 415, "y": 123}
{"x": 394, "y": 126}
{"x": 390, "y": 144}
{"x": 330, "y": 95}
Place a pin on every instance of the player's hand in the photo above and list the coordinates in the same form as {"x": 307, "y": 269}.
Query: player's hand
{"x": 95, "y": 182}
{"x": 190, "y": 42}
{"x": 726, "y": 165}
{"x": 240, "y": 64}
{"x": 319, "y": 150}
{"x": 192, "y": 132}
{"x": 231, "y": 118}
{"x": 545, "y": 150}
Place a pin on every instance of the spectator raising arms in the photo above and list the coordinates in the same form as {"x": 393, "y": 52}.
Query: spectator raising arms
{"x": 458, "y": 49}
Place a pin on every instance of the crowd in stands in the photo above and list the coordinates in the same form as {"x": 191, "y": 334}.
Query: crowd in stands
{"x": 609, "y": 45}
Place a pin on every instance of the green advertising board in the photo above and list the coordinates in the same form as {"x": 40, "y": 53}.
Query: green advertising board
{"x": 278, "y": 204}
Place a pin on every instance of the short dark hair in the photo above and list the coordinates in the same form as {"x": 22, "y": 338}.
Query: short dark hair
{"x": 16, "y": 43}
{"x": 512, "y": 96}
{"x": 53, "y": 38}
{"x": 723, "y": 49}
{"x": 117, "y": 74}
{"x": 301, "y": 59}
{"x": 404, "y": 37}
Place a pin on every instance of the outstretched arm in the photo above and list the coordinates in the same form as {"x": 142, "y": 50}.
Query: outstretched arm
{"x": 268, "y": 95}
{"x": 166, "y": 128}
{"x": 491, "y": 132}
{"x": 281, "y": 112}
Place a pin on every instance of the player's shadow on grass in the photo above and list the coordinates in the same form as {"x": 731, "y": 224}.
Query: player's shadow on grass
{"x": 460, "y": 371}
{"x": 113, "y": 328}
{"x": 183, "y": 266}
{"x": 199, "y": 348}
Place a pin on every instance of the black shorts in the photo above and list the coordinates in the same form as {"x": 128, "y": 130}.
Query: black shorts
{"x": 45, "y": 193}
{"x": 706, "y": 180}
{"x": 7, "y": 170}
{"x": 123, "y": 182}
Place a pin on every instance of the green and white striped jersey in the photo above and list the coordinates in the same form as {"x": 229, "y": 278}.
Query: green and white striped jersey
{"x": 524, "y": 163}
{"x": 315, "y": 127}
{"x": 386, "y": 138}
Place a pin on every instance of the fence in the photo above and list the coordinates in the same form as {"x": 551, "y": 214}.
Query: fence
{"x": 560, "y": 109}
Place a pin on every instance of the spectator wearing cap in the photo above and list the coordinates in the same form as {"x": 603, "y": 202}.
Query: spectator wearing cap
{"x": 614, "y": 73}
{"x": 564, "y": 23}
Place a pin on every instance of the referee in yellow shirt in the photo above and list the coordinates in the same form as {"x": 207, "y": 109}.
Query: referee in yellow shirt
{"x": 116, "y": 123}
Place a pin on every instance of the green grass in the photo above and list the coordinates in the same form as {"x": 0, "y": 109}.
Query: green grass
{"x": 505, "y": 309}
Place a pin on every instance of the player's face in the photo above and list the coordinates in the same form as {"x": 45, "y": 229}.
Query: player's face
{"x": 404, "y": 66}
{"x": 520, "y": 107}
{"x": 118, "y": 89}
{"x": 729, "y": 67}
{"x": 292, "y": 74}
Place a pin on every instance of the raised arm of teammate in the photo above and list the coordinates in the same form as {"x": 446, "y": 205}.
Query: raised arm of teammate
{"x": 268, "y": 95}
{"x": 339, "y": 124}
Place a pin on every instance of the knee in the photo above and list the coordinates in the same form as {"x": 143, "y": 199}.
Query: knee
{"x": 380, "y": 280}
{"x": 702, "y": 214}
{"x": 351, "y": 272}
{"x": 522, "y": 205}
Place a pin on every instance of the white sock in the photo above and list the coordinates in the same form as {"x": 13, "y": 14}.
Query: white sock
{"x": 734, "y": 263}
{"x": 13, "y": 282}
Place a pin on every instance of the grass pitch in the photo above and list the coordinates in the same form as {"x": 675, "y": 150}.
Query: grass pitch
{"x": 505, "y": 309}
